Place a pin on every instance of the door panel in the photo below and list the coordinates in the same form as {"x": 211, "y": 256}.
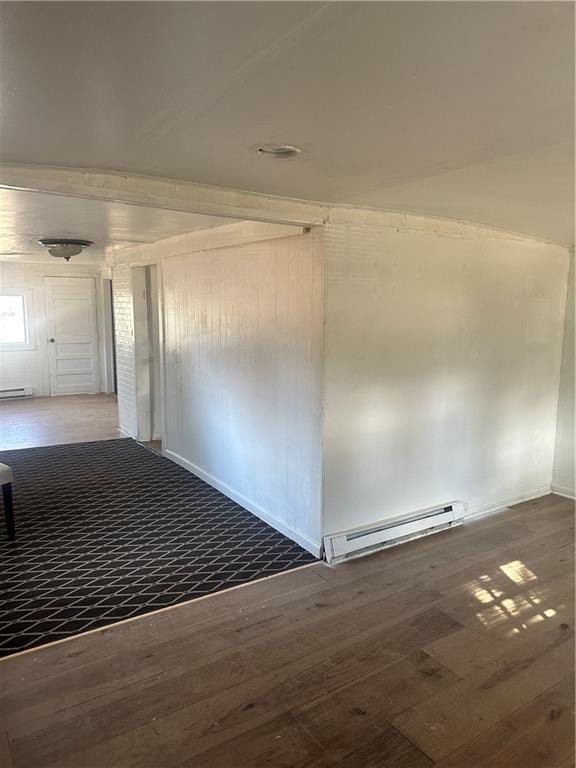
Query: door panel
{"x": 72, "y": 335}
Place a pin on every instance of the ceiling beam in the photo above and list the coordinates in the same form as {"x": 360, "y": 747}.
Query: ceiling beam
{"x": 190, "y": 197}
{"x": 154, "y": 192}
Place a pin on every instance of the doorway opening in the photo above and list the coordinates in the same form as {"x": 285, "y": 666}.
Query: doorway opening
{"x": 148, "y": 354}
{"x": 58, "y": 378}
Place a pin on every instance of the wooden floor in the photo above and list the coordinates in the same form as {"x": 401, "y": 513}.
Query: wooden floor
{"x": 55, "y": 420}
{"x": 454, "y": 651}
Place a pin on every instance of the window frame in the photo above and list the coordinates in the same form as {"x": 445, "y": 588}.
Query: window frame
{"x": 30, "y": 343}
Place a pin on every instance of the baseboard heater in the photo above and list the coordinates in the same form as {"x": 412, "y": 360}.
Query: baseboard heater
{"x": 16, "y": 393}
{"x": 364, "y": 541}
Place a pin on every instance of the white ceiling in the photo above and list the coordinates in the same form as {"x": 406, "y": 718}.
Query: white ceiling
{"x": 25, "y": 217}
{"x": 462, "y": 109}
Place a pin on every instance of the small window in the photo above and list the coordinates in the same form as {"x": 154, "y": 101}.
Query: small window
{"x": 14, "y": 332}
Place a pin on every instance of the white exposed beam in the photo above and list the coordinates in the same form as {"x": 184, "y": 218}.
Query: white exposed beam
{"x": 175, "y": 195}
{"x": 160, "y": 193}
{"x": 235, "y": 234}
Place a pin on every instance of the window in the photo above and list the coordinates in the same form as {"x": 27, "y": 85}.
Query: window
{"x": 14, "y": 328}
{"x": 13, "y": 320}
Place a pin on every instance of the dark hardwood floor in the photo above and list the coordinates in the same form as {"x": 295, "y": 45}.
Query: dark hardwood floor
{"x": 454, "y": 651}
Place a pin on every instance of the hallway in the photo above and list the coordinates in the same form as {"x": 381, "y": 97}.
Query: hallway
{"x": 41, "y": 421}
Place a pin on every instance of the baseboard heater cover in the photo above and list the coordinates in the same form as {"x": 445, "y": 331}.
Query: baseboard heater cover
{"x": 364, "y": 541}
{"x": 15, "y": 393}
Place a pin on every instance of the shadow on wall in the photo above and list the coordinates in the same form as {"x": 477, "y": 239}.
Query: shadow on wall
{"x": 442, "y": 360}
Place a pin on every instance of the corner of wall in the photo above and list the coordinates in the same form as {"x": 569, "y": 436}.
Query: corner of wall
{"x": 563, "y": 474}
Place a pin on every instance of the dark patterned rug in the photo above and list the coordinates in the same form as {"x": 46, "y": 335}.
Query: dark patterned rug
{"x": 110, "y": 530}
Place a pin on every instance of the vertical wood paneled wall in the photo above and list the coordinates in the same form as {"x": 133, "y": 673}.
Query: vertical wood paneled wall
{"x": 243, "y": 368}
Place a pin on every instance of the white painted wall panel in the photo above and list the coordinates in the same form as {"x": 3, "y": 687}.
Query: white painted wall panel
{"x": 125, "y": 350}
{"x": 564, "y": 458}
{"x": 441, "y": 370}
{"x": 243, "y": 346}
{"x": 155, "y": 372}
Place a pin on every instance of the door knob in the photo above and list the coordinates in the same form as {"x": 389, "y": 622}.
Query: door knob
{"x": 51, "y": 341}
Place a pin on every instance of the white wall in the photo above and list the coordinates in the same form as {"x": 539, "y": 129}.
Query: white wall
{"x": 154, "y": 352}
{"x": 29, "y": 368}
{"x": 243, "y": 357}
{"x": 125, "y": 350}
{"x": 564, "y": 459}
{"x": 441, "y": 368}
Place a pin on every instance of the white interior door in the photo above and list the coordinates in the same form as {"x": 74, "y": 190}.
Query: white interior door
{"x": 72, "y": 335}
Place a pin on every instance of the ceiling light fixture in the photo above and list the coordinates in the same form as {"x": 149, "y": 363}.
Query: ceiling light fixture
{"x": 64, "y": 248}
{"x": 278, "y": 151}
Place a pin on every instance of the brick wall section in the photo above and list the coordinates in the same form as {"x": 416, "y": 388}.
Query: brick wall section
{"x": 125, "y": 361}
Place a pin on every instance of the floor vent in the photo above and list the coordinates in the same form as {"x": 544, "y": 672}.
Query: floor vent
{"x": 364, "y": 541}
{"x": 16, "y": 393}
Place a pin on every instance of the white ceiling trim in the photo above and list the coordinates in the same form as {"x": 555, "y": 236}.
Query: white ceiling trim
{"x": 176, "y": 195}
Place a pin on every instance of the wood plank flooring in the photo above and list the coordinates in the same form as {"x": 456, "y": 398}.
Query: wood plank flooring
{"x": 42, "y": 421}
{"x": 454, "y": 651}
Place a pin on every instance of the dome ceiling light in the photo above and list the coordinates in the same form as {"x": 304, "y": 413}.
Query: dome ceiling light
{"x": 278, "y": 151}
{"x": 64, "y": 248}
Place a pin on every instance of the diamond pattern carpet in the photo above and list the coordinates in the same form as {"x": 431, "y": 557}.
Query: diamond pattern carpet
{"x": 110, "y": 530}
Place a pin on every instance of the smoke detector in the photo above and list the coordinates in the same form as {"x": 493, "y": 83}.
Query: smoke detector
{"x": 278, "y": 151}
{"x": 64, "y": 248}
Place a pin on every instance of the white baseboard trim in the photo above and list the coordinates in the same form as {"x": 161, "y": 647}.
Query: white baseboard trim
{"x": 308, "y": 544}
{"x": 564, "y": 490}
{"x": 483, "y": 510}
